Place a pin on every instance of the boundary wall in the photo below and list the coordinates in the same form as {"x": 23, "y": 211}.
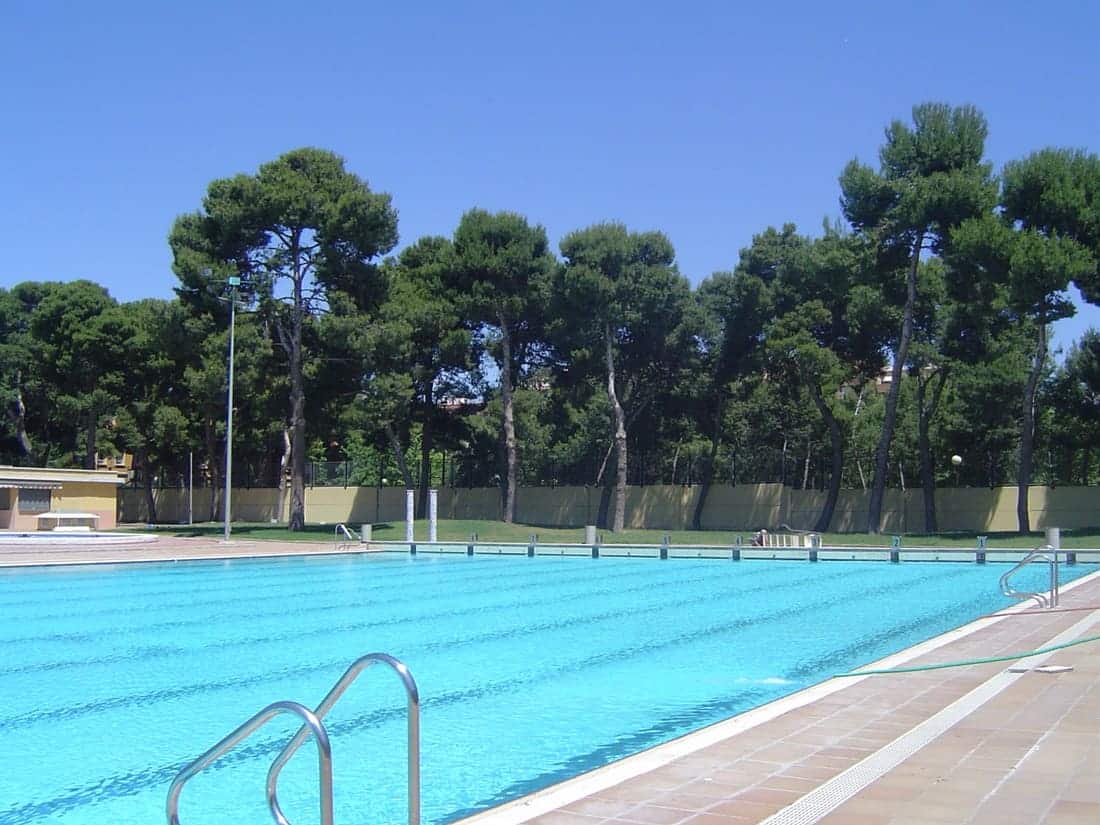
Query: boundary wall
{"x": 660, "y": 507}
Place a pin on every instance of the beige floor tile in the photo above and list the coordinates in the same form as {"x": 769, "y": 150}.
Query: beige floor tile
{"x": 754, "y": 811}
{"x": 597, "y": 807}
{"x": 686, "y": 801}
{"x": 1065, "y": 812}
{"x": 789, "y": 783}
{"x": 712, "y": 789}
{"x": 1083, "y": 789}
{"x": 715, "y": 819}
{"x": 814, "y": 772}
{"x": 849, "y": 818}
{"x": 564, "y": 818}
{"x": 655, "y": 815}
{"x": 785, "y": 752}
{"x": 767, "y": 796}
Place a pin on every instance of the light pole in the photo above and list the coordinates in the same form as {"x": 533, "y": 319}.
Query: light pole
{"x": 234, "y": 282}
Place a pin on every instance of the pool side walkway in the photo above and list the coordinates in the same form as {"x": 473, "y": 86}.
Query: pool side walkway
{"x": 164, "y": 548}
{"x": 1023, "y": 748}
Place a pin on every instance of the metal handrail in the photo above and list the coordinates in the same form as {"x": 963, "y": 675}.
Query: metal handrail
{"x": 349, "y": 535}
{"x": 322, "y": 710}
{"x": 1050, "y": 556}
{"x": 312, "y": 724}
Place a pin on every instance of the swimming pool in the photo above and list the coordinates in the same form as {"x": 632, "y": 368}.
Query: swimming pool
{"x": 530, "y": 670}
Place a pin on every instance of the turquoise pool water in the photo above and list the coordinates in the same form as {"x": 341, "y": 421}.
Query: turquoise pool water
{"x": 530, "y": 670}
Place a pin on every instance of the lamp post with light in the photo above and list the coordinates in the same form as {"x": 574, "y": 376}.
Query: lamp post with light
{"x": 234, "y": 284}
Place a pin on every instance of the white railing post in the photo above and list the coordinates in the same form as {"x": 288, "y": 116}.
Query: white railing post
{"x": 433, "y": 509}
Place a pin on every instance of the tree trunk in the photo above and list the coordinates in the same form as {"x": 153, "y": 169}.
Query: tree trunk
{"x": 606, "y": 494}
{"x": 1027, "y": 431}
{"x": 426, "y": 443}
{"x": 924, "y": 450}
{"x": 882, "y": 453}
{"x": 212, "y": 459}
{"x": 297, "y": 443}
{"x": 89, "y": 439}
{"x": 17, "y": 415}
{"x": 836, "y": 441}
{"x": 399, "y": 456}
{"x": 708, "y": 470}
{"x": 284, "y": 464}
{"x": 293, "y": 349}
{"x": 509, "y": 421}
{"x": 925, "y": 413}
{"x": 150, "y": 499}
{"x": 619, "y": 421}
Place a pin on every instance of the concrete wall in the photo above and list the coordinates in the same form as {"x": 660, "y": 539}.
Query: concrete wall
{"x": 745, "y": 507}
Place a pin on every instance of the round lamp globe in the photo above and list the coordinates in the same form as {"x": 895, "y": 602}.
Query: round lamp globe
{"x": 956, "y": 460}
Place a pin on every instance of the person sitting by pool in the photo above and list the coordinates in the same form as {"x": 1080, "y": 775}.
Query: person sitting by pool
{"x": 759, "y": 537}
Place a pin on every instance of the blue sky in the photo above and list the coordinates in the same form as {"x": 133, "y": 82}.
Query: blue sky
{"x": 709, "y": 121}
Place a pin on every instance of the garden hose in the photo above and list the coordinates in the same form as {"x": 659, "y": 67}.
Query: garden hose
{"x": 965, "y": 662}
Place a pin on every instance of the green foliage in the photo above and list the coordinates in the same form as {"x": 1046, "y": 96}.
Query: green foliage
{"x": 931, "y": 179}
{"x": 302, "y": 235}
{"x": 485, "y": 348}
{"x": 501, "y": 266}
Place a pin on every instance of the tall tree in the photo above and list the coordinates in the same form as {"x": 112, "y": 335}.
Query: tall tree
{"x": 829, "y": 336}
{"x": 1074, "y": 397}
{"x": 931, "y": 178}
{"x": 153, "y": 334}
{"x": 18, "y": 359}
{"x": 422, "y": 342}
{"x": 629, "y": 304}
{"x": 930, "y": 367}
{"x": 1047, "y": 238}
{"x": 300, "y": 227}
{"x": 502, "y": 266}
{"x": 81, "y": 356}
{"x": 733, "y": 308}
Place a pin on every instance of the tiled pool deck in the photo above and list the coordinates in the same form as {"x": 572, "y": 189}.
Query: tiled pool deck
{"x": 1022, "y": 748}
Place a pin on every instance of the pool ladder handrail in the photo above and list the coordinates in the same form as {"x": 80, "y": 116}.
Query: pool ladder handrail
{"x": 343, "y": 536}
{"x": 350, "y": 675}
{"x": 312, "y": 724}
{"x": 1044, "y": 600}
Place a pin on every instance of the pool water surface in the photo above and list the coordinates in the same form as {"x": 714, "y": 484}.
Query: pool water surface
{"x": 530, "y": 670}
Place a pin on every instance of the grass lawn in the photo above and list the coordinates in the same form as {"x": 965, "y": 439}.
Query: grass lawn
{"x": 497, "y": 531}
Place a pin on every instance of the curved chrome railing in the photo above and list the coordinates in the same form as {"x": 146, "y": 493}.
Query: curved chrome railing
{"x": 349, "y": 537}
{"x": 312, "y": 724}
{"x": 333, "y": 696}
{"x": 1050, "y": 556}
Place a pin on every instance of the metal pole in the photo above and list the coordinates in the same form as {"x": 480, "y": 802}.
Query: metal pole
{"x": 190, "y": 486}
{"x": 234, "y": 282}
{"x": 433, "y": 510}
{"x": 410, "y": 510}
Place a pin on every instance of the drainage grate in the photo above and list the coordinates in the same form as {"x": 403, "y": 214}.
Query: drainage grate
{"x": 842, "y": 787}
